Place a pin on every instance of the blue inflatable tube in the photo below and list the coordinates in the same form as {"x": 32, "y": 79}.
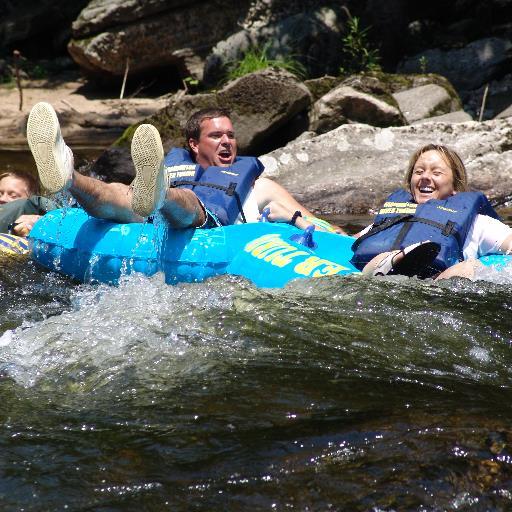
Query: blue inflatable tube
{"x": 89, "y": 249}
{"x": 497, "y": 261}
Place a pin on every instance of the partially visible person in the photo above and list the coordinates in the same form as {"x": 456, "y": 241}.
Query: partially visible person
{"x": 433, "y": 227}
{"x": 204, "y": 185}
{"x": 20, "y": 205}
{"x": 16, "y": 185}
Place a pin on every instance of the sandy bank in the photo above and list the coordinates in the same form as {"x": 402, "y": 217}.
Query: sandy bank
{"x": 88, "y": 118}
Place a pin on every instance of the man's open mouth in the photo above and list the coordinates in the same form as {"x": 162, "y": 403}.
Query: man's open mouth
{"x": 225, "y": 155}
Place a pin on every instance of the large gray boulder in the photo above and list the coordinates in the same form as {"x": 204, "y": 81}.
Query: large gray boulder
{"x": 466, "y": 68}
{"x": 101, "y": 14}
{"x": 422, "y": 102}
{"x": 354, "y": 167}
{"x": 150, "y": 34}
{"x": 345, "y": 104}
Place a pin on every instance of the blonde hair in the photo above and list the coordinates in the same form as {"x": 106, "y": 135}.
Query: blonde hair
{"x": 30, "y": 181}
{"x": 460, "y": 178}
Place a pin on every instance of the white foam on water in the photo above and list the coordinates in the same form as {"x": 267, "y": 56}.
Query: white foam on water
{"x": 480, "y": 354}
{"x": 143, "y": 324}
{"x": 495, "y": 274}
{"x": 6, "y": 338}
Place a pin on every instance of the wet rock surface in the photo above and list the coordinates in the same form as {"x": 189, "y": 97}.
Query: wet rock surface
{"x": 353, "y": 168}
{"x": 460, "y": 70}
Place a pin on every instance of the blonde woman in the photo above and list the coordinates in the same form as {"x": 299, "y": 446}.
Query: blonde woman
{"x": 433, "y": 227}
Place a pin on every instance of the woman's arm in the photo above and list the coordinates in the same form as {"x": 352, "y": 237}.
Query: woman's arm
{"x": 486, "y": 236}
{"x": 506, "y": 245}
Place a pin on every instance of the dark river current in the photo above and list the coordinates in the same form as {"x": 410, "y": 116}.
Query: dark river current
{"x": 337, "y": 393}
{"x": 340, "y": 393}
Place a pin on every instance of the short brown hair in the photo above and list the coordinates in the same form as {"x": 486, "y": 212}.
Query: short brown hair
{"x": 460, "y": 178}
{"x": 193, "y": 126}
{"x": 31, "y": 182}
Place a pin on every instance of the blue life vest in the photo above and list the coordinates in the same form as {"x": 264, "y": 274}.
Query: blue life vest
{"x": 402, "y": 222}
{"x": 222, "y": 190}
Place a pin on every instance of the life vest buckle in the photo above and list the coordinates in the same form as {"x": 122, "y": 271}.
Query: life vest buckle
{"x": 231, "y": 189}
{"x": 449, "y": 228}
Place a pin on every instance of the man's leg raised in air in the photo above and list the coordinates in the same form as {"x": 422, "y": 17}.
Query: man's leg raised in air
{"x": 181, "y": 208}
{"x": 111, "y": 201}
{"x": 54, "y": 161}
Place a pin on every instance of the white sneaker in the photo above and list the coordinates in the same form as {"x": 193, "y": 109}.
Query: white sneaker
{"x": 149, "y": 186}
{"x": 54, "y": 160}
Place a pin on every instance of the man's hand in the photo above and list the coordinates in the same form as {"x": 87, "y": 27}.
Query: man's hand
{"x": 278, "y": 212}
{"x": 268, "y": 192}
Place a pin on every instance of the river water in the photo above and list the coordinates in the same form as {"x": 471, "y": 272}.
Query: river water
{"x": 340, "y": 393}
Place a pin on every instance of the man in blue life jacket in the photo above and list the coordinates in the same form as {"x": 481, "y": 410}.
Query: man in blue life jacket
{"x": 204, "y": 186}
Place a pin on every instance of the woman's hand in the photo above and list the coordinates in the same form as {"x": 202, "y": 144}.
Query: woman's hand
{"x": 24, "y": 223}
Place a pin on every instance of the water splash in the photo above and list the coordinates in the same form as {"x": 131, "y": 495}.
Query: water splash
{"x": 379, "y": 393}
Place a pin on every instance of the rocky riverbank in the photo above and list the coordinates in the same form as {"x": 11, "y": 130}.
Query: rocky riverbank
{"x": 89, "y": 117}
{"x": 344, "y": 132}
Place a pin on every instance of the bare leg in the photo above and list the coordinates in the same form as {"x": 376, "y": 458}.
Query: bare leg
{"x": 463, "y": 269}
{"x": 113, "y": 201}
{"x": 110, "y": 201}
{"x": 182, "y": 209}
{"x": 54, "y": 161}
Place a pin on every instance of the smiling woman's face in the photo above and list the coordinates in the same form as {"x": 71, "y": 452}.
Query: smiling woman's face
{"x": 432, "y": 178}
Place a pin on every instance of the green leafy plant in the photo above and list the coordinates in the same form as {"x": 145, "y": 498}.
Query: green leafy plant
{"x": 423, "y": 61}
{"x": 357, "y": 54}
{"x": 37, "y": 72}
{"x": 191, "y": 84}
{"x": 256, "y": 59}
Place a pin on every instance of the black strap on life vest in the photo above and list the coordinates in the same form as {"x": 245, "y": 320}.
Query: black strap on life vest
{"x": 447, "y": 229}
{"x": 229, "y": 190}
{"x": 381, "y": 226}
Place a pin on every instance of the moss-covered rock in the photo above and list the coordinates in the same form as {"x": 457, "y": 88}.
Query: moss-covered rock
{"x": 320, "y": 86}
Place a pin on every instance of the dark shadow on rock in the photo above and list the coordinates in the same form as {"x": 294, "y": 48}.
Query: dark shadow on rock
{"x": 115, "y": 165}
{"x": 282, "y": 135}
{"x": 151, "y": 84}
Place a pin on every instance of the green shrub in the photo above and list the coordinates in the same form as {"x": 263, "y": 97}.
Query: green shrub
{"x": 257, "y": 58}
{"x": 26, "y": 69}
{"x": 423, "y": 61}
{"x": 357, "y": 54}
{"x": 37, "y": 72}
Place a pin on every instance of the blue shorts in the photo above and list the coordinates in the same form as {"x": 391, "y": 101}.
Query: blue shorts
{"x": 211, "y": 221}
